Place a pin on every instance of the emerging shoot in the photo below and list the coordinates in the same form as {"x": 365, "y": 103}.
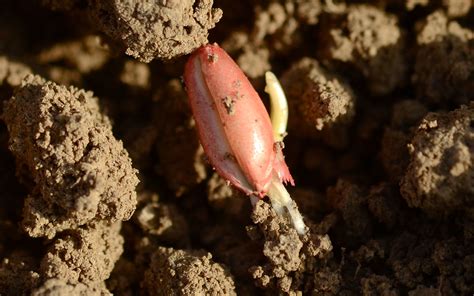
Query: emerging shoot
{"x": 278, "y": 106}
{"x": 235, "y": 130}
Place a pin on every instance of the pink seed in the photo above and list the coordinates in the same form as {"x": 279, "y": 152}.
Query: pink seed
{"x": 233, "y": 124}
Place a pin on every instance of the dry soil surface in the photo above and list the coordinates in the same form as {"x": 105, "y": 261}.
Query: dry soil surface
{"x": 104, "y": 188}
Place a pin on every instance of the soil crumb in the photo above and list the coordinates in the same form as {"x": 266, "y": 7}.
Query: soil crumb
{"x": 406, "y": 115}
{"x": 85, "y": 255}
{"x": 164, "y": 221}
{"x": 439, "y": 178}
{"x": 18, "y": 272}
{"x": 149, "y": 29}
{"x": 448, "y": 81}
{"x": 288, "y": 256}
{"x": 178, "y": 272}
{"x": 69, "y": 61}
{"x": 321, "y": 98}
{"x": 277, "y": 23}
{"x": 66, "y": 151}
{"x": 369, "y": 40}
{"x": 224, "y": 198}
{"x": 58, "y": 287}
{"x": 12, "y": 73}
{"x": 457, "y": 8}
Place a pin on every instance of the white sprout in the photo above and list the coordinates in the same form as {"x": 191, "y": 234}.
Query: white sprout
{"x": 278, "y": 106}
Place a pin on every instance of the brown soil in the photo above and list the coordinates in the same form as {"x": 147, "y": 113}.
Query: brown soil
{"x": 105, "y": 188}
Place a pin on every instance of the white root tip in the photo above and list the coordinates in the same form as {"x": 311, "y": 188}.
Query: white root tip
{"x": 284, "y": 205}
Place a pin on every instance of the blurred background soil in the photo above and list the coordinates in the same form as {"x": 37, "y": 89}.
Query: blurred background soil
{"x": 104, "y": 187}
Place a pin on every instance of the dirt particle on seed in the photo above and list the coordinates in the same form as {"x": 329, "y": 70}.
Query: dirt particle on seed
{"x": 230, "y": 157}
{"x": 229, "y": 104}
{"x": 212, "y": 58}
